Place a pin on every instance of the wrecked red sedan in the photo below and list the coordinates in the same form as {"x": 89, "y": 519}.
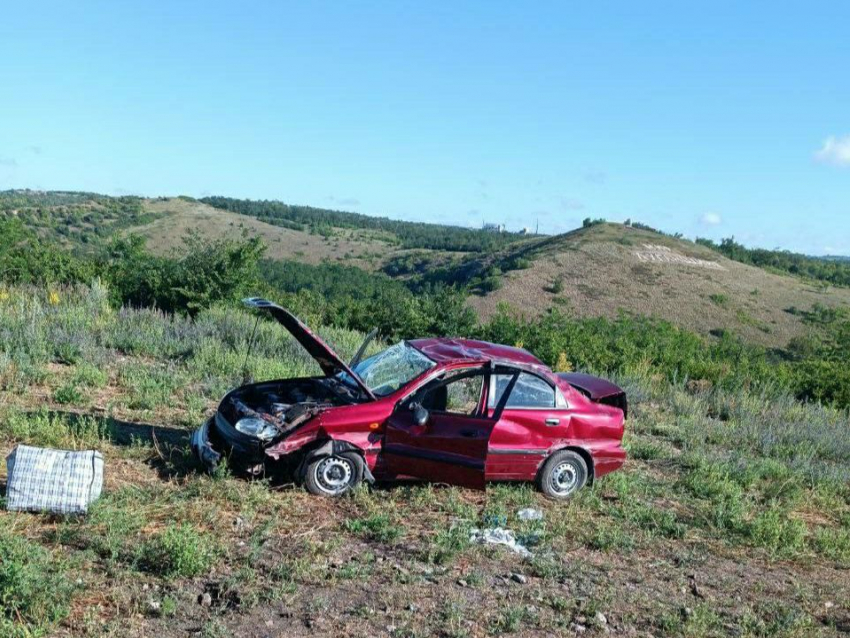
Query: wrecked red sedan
{"x": 454, "y": 411}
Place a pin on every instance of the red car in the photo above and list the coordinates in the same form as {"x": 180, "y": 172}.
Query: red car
{"x": 454, "y": 411}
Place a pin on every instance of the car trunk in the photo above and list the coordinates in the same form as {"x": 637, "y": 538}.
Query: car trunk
{"x": 598, "y": 390}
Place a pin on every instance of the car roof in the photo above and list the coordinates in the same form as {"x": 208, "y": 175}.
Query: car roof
{"x": 445, "y": 350}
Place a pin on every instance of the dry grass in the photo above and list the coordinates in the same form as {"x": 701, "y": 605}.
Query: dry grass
{"x": 359, "y": 248}
{"x": 601, "y": 275}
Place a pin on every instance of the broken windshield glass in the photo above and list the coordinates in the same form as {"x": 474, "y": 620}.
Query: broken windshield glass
{"x": 387, "y": 371}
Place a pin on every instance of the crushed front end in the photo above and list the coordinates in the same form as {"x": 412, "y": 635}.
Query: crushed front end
{"x": 254, "y": 417}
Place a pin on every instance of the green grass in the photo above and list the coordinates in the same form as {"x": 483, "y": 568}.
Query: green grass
{"x": 35, "y": 589}
{"x": 377, "y": 527}
{"x": 713, "y": 474}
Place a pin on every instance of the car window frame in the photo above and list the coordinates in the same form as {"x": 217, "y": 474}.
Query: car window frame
{"x": 450, "y": 376}
{"x": 560, "y": 403}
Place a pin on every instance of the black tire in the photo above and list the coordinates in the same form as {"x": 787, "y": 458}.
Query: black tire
{"x": 335, "y": 474}
{"x": 562, "y": 475}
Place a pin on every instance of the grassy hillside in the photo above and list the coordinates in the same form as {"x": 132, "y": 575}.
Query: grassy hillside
{"x": 732, "y": 516}
{"x": 174, "y": 217}
{"x": 610, "y": 268}
{"x": 602, "y": 270}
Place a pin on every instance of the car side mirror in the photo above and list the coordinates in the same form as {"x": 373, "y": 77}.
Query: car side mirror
{"x": 420, "y": 414}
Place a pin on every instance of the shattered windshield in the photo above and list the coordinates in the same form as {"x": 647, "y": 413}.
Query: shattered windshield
{"x": 387, "y": 371}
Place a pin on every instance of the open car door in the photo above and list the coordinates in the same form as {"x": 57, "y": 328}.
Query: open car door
{"x": 441, "y": 433}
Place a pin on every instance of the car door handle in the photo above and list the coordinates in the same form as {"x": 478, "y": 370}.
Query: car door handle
{"x": 470, "y": 434}
{"x": 552, "y": 421}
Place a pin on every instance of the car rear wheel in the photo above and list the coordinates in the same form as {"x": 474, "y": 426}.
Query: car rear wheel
{"x": 562, "y": 475}
{"x": 334, "y": 475}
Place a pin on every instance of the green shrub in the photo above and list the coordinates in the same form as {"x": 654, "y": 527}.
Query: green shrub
{"x": 377, "y": 527}
{"x": 834, "y": 543}
{"x": 777, "y": 532}
{"x": 68, "y": 393}
{"x": 35, "y": 590}
{"x": 178, "y": 552}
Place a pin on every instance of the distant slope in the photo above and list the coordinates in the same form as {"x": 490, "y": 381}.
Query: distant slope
{"x": 176, "y": 216}
{"x": 601, "y": 270}
{"x": 610, "y": 268}
{"x": 833, "y": 270}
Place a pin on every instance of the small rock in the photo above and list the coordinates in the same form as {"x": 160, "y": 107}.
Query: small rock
{"x": 391, "y": 629}
{"x": 205, "y": 599}
{"x": 829, "y": 604}
{"x": 687, "y": 612}
{"x": 600, "y": 618}
{"x": 154, "y": 606}
{"x": 461, "y": 582}
{"x": 519, "y": 578}
{"x": 413, "y": 607}
{"x": 577, "y": 628}
{"x": 269, "y": 623}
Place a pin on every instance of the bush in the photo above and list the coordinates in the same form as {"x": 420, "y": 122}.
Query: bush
{"x": 780, "y": 534}
{"x": 35, "y": 591}
{"x": 178, "y": 552}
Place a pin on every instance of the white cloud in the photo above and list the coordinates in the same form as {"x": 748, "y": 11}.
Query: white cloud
{"x": 835, "y": 150}
{"x": 711, "y": 219}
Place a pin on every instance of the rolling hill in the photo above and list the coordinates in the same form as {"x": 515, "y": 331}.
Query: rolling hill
{"x": 610, "y": 268}
{"x": 600, "y": 270}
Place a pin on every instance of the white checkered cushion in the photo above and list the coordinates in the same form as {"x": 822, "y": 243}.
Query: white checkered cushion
{"x": 57, "y": 481}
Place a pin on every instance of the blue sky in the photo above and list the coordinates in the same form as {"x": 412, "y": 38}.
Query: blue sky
{"x": 711, "y": 119}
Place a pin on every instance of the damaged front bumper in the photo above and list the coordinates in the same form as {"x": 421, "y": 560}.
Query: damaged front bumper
{"x": 215, "y": 441}
{"x": 203, "y": 449}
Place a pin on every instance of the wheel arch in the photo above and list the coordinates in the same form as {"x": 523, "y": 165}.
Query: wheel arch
{"x": 328, "y": 447}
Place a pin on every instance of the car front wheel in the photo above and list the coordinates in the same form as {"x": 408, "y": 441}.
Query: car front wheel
{"x": 334, "y": 475}
{"x": 563, "y": 474}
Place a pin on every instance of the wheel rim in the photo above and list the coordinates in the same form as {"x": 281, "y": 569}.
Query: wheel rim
{"x": 333, "y": 474}
{"x": 564, "y": 479}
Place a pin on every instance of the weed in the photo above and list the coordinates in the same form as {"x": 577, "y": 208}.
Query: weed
{"x": 447, "y": 544}
{"x": 719, "y": 299}
{"x": 609, "y": 537}
{"x": 179, "y": 551}
{"x": 777, "y": 532}
{"x": 68, "y": 393}
{"x": 377, "y": 527}
{"x": 509, "y": 620}
{"x": 833, "y": 543}
{"x": 35, "y": 590}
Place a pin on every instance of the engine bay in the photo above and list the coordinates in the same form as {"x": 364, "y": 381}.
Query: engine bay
{"x": 275, "y": 408}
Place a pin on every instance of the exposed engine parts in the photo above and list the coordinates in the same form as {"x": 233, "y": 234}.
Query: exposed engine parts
{"x": 284, "y": 405}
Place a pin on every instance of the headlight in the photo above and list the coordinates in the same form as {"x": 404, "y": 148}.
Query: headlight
{"x": 257, "y": 428}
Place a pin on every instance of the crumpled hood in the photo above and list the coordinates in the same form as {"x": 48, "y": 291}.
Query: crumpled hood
{"x": 328, "y": 360}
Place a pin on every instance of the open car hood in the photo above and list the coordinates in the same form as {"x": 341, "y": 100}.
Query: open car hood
{"x": 328, "y": 360}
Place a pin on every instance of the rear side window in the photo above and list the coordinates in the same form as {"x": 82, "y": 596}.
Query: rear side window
{"x": 529, "y": 391}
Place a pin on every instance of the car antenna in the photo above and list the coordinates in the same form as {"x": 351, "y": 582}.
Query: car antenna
{"x": 246, "y": 374}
